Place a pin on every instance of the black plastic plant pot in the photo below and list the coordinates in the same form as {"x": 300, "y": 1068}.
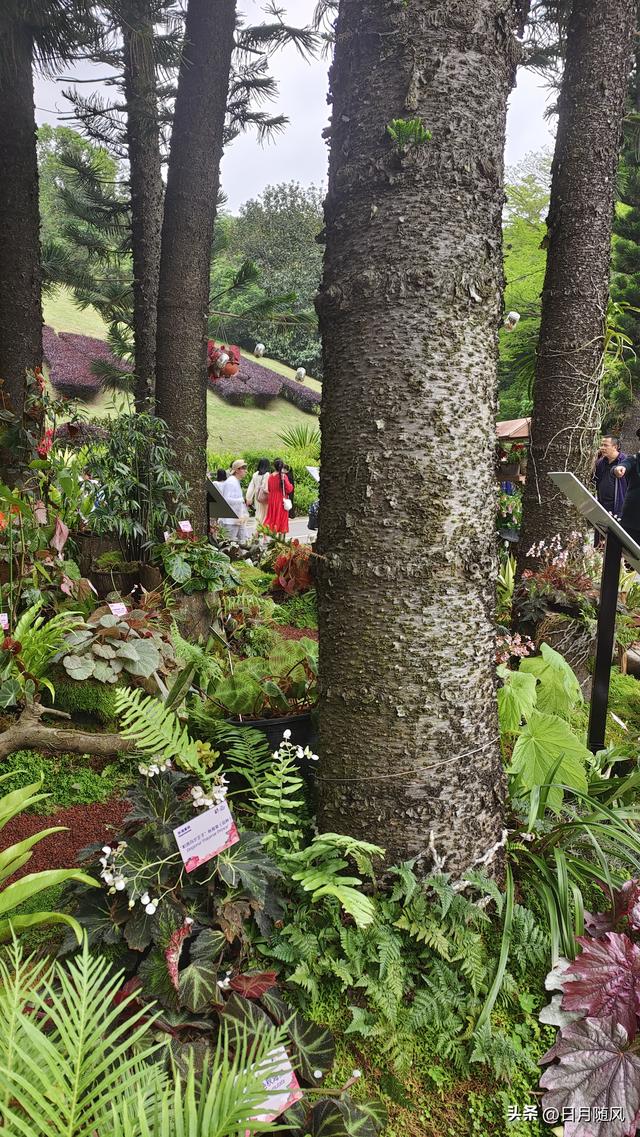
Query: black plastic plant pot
{"x": 302, "y": 734}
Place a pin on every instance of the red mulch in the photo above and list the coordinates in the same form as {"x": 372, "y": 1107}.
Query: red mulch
{"x": 100, "y": 821}
{"x": 289, "y": 633}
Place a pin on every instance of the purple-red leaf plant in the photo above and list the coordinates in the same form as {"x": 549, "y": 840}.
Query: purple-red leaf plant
{"x": 593, "y": 1085}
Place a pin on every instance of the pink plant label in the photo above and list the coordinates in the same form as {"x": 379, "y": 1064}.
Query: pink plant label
{"x": 185, "y": 527}
{"x": 167, "y": 535}
{"x": 206, "y": 835}
{"x": 282, "y": 1088}
{"x": 4, "y": 621}
{"x": 118, "y": 609}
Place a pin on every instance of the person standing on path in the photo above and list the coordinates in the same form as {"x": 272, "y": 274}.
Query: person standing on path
{"x": 277, "y": 518}
{"x": 629, "y": 469}
{"x": 610, "y": 490}
{"x": 258, "y": 490}
{"x": 231, "y": 491}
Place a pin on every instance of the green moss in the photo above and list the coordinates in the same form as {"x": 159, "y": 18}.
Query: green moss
{"x": 87, "y": 698}
{"x": 67, "y": 778}
{"x": 624, "y": 701}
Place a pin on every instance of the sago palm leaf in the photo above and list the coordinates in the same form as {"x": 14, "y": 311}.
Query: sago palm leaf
{"x": 222, "y": 1101}
{"x": 71, "y": 1051}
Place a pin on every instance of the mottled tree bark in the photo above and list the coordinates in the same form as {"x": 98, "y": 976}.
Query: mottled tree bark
{"x": 20, "y": 305}
{"x": 145, "y": 179}
{"x": 409, "y": 310}
{"x": 565, "y": 420}
{"x": 187, "y": 234}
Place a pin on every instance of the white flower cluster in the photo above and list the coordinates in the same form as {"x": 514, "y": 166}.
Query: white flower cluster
{"x": 116, "y": 881}
{"x": 215, "y": 796}
{"x": 290, "y": 748}
{"x": 150, "y": 771}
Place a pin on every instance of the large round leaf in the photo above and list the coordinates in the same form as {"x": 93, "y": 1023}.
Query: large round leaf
{"x": 546, "y": 742}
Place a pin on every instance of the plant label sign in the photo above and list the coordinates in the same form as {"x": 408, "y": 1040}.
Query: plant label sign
{"x": 185, "y": 527}
{"x": 118, "y": 609}
{"x": 4, "y": 621}
{"x": 206, "y": 835}
{"x": 282, "y": 1088}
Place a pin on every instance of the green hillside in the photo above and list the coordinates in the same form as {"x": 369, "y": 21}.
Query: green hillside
{"x": 229, "y": 428}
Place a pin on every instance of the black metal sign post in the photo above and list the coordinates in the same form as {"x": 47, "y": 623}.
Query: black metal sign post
{"x": 618, "y": 543}
{"x": 604, "y": 643}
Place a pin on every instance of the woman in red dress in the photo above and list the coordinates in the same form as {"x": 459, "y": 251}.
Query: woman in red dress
{"x": 280, "y": 487}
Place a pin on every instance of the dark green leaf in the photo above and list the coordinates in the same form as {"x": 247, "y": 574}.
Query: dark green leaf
{"x": 198, "y": 986}
{"x": 246, "y": 865}
{"x": 331, "y": 1118}
{"x": 313, "y": 1047}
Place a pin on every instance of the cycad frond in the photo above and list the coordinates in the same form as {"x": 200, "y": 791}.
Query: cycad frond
{"x": 58, "y": 1075}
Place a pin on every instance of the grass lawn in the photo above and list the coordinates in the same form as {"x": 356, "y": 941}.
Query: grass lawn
{"x": 229, "y": 428}
{"x": 63, "y": 315}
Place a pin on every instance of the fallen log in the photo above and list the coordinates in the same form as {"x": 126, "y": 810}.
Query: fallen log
{"x": 28, "y": 732}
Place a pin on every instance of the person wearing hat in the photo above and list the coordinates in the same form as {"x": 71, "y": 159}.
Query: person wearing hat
{"x": 231, "y": 491}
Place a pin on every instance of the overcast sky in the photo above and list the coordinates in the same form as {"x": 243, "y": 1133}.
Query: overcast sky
{"x": 300, "y": 153}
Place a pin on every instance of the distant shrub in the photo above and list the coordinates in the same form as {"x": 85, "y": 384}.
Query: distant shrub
{"x": 301, "y": 396}
{"x": 71, "y": 360}
{"x": 264, "y": 388}
{"x": 232, "y": 390}
{"x": 258, "y": 385}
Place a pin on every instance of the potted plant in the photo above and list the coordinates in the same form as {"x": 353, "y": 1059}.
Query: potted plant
{"x": 139, "y": 496}
{"x": 110, "y": 573}
{"x": 270, "y": 694}
{"x": 509, "y": 458}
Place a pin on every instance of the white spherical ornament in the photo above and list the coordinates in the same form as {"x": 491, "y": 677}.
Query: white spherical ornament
{"x": 300, "y": 374}
{"x": 222, "y": 359}
{"x": 511, "y": 320}
{"x": 259, "y": 350}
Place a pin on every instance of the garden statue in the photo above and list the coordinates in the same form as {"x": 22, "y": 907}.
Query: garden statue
{"x": 222, "y": 360}
{"x": 300, "y": 374}
{"x": 259, "y": 350}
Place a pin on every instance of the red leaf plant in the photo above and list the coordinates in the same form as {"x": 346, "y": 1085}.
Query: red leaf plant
{"x": 293, "y": 569}
{"x": 594, "y": 1084}
{"x": 253, "y": 984}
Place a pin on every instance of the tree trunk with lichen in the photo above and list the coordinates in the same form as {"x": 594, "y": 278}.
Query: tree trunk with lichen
{"x": 145, "y": 179}
{"x": 20, "y": 304}
{"x": 409, "y": 310}
{"x": 566, "y": 414}
{"x": 187, "y": 236}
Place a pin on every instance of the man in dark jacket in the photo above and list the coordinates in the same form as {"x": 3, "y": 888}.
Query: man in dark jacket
{"x": 610, "y": 490}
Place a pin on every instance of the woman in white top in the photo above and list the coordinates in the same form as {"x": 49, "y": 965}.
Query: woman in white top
{"x": 231, "y": 491}
{"x": 257, "y": 493}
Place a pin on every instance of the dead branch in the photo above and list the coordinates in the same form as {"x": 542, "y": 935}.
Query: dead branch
{"x": 29, "y": 733}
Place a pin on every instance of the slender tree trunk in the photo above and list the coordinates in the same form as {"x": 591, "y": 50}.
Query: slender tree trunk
{"x": 409, "y": 310}
{"x": 187, "y": 234}
{"x": 20, "y": 305}
{"x": 145, "y": 178}
{"x": 576, "y": 286}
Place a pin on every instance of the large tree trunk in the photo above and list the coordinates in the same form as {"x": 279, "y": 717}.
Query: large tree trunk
{"x": 576, "y": 286}
{"x": 20, "y": 306}
{"x": 409, "y": 310}
{"x": 187, "y": 234}
{"x": 145, "y": 179}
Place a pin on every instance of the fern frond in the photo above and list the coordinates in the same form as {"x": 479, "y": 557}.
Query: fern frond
{"x": 245, "y": 751}
{"x": 156, "y": 731}
{"x": 279, "y": 803}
